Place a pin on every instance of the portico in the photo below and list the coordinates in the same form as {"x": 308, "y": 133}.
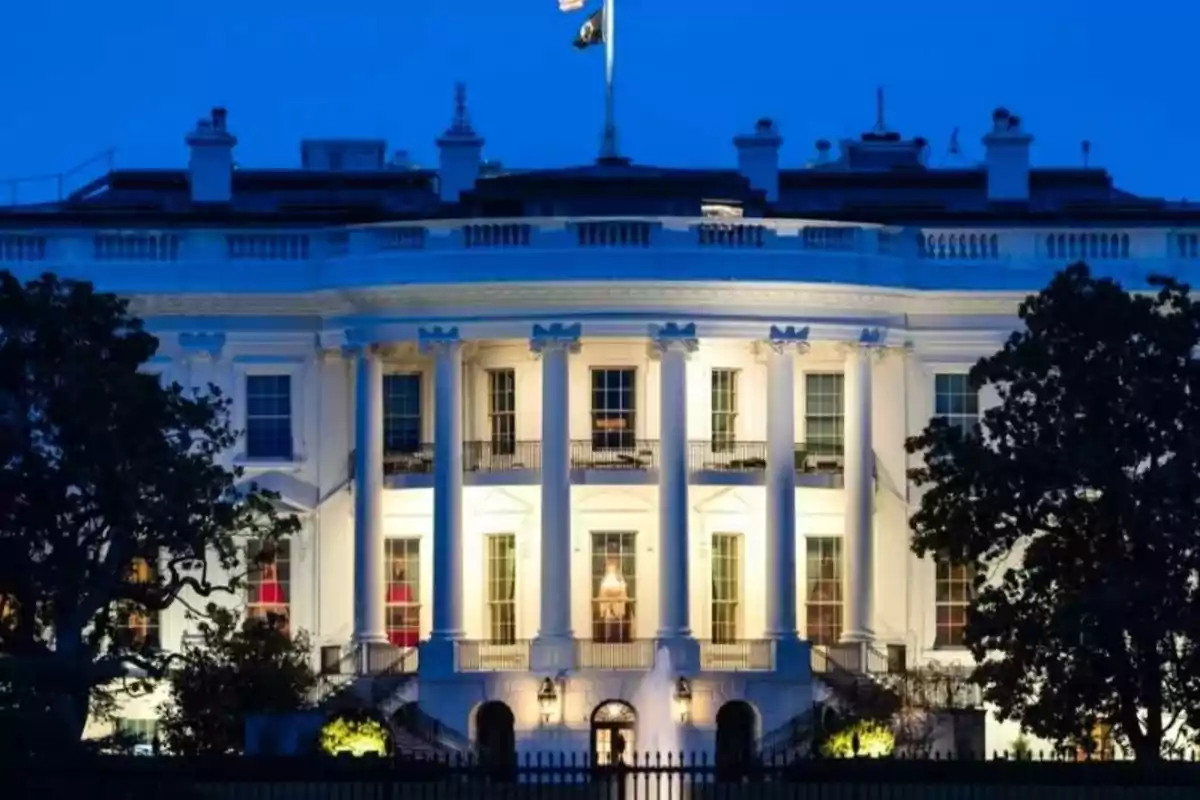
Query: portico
{"x": 673, "y": 463}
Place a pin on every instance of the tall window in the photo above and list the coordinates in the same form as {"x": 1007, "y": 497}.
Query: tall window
{"x": 141, "y": 733}
{"x": 954, "y": 586}
{"x": 724, "y": 409}
{"x": 403, "y": 591}
{"x": 726, "y": 585}
{"x": 614, "y": 404}
{"x": 502, "y": 411}
{"x": 823, "y": 589}
{"x": 824, "y": 412}
{"x": 955, "y": 401}
{"x": 269, "y": 578}
{"x": 502, "y": 588}
{"x": 269, "y": 416}
{"x": 138, "y": 626}
{"x": 614, "y": 586}
{"x": 402, "y": 413}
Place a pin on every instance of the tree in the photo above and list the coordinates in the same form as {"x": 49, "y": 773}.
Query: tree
{"x": 239, "y": 669}
{"x": 1080, "y": 492}
{"x": 102, "y": 469}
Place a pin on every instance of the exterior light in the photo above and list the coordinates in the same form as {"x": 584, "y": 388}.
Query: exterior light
{"x": 547, "y": 701}
{"x": 683, "y": 700}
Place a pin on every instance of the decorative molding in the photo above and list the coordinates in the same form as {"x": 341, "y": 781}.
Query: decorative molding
{"x": 201, "y": 346}
{"x": 673, "y": 336}
{"x": 555, "y": 336}
{"x": 438, "y": 340}
{"x": 781, "y": 339}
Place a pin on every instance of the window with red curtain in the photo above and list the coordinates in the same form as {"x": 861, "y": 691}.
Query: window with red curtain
{"x": 403, "y": 602}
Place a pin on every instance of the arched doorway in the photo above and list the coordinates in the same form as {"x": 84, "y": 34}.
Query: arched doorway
{"x": 613, "y": 742}
{"x": 495, "y": 738}
{"x": 736, "y": 734}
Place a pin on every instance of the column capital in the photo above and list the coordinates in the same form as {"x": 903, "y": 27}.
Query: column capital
{"x": 673, "y": 336}
{"x": 201, "y": 346}
{"x": 873, "y": 341}
{"x": 358, "y": 342}
{"x": 784, "y": 339}
{"x": 555, "y": 336}
{"x": 438, "y": 340}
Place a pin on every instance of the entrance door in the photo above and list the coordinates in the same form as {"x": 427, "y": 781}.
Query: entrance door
{"x": 735, "y": 739}
{"x": 613, "y": 739}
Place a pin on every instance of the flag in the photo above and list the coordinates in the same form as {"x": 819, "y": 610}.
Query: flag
{"x": 567, "y": 6}
{"x": 591, "y": 31}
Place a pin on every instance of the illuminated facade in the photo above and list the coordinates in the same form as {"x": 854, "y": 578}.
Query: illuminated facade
{"x": 604, "y": 449}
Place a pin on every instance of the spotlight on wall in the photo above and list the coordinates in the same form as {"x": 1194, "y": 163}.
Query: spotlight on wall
{"x": 683, "y": 700}
{"x": 547, "y": 701}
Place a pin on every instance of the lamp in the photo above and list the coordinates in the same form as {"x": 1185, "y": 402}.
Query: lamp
{"x": 547, "y": 700}
{"x": 683, "y": 700}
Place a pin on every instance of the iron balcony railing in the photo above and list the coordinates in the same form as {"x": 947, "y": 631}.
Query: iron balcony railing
{"x": 615, "y": 453}
{"x": 501, "y": 455}
{"x": 481, "y": 656}
{"x": 811, "y": 458}
{"x": 746, "y": 655}
{"x": 637, "y": 654}
{"x": 416, "y": 460}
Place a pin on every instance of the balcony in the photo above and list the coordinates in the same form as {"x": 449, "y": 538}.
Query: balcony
{"x": 374, "y": 659}
{"x": 634, "y": 655}
{"x": 409, "y": 461}
{"x": 818, "y": 464}
{"x": 623, "y": 461}
{"x": 476, "y": 656}
{"x": 749, "y": 655}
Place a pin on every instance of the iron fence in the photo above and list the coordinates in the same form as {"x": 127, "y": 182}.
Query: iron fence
{"x": 555, "y": 776}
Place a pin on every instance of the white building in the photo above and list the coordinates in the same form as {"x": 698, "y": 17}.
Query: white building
{"x": 560, "y": 438}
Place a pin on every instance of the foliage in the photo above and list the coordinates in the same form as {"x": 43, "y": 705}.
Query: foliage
{"x": 103, "y": 469}
{"x": 1081, "y": 493}
{"x": 358, "y": 737}
{"x": 1022, "y": 750}
{"x": 866, "y": 738}
{"x": 237, "y": 669}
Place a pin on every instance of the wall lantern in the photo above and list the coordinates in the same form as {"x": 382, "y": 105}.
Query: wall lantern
{"x": 547, "y": 701}
{"x": 683, "y": 700}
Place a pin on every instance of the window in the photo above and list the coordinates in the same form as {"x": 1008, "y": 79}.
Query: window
{"x": 955, "y": 401}
{"x": 724, "y": 409}
{"x": 954, "y": 587}
{"x": 614, "y": 586}
{"x": 502, "y": 588}
{"x": 824, "y": 412}
{"x": 403, "y": 591}
{"x": 402, "y": 413}
{"x": 726, "y": 586}
{"x": 823, "y": 589}
{"x": 269, "y": 416}
{"x": 140, "y": 733}
{"x": 502, "y": 411}
{"x": 269, "y": 578}
{"x": 613, "y": 407}
{"x": 138, "y": 627}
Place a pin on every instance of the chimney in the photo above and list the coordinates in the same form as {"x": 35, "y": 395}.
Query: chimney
{"x": 1007, "y": 159}
{"x": 758, "y": 158}
{"x": 460, "y": 152}
{"x": 210, "y": 164}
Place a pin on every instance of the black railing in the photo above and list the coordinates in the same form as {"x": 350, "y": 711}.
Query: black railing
{"x": 387, "y": 659}
{"x": 501, "y": 456}
{"x": 614, "y": 454}
{"x": 409, "y": 460}
{"x": 718, "y": 456}
{"x": 431, "y": 731}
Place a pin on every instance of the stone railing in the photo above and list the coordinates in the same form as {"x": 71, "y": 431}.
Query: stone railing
{"x": 635, "y": 655}
{"x": 479, "y": 656}
{"x": 749, "y": 655}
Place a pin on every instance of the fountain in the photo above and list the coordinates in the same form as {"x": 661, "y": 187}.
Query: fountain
{"x": 657, "y": 731}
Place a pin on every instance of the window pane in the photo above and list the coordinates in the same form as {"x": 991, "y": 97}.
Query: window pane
{"x": 724, "y": 408}
{"x": 268, "y": 579}
{"x": 613, "y": 409}
{"x": 402, "y": 413}
{"x": 138, "y": 627}
{"x": 502, "y": 588}
{"x": 955, "y": 401}
{"x": 726, "y": 586}
{"x": 614, "y": 586}
{"x": 824, "y": 411}
{"x": 823, "y": 589}
{"x": 953, "y": 590}
{"x": 502, "y": 410}
{"x": 269, "y": 416}
{"x": 403, "y": 601}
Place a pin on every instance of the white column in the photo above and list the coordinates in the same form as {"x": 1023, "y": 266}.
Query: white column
{"x": 674, "y": 343}
{"x": 859, "y": 535}
{"x": 369, "y": 585}
{"x": 446, "y": 347}
{"x": 783, "y": 345}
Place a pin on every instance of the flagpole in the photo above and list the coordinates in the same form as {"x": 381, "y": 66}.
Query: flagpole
{"x": 608, "y": 144}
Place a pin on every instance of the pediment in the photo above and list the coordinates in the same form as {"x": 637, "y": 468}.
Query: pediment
{"x": 613, "y": 501}
{"x": 726, "y": 501}
{"x": 295, "y": 495}
{"x": 500, "y": 502}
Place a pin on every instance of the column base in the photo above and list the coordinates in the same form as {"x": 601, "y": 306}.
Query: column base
{"x": 552, "y": 654}
{"x": 437, "y": 658}
{"x": 793, "y": 659}
{"x": 681, "y": 654}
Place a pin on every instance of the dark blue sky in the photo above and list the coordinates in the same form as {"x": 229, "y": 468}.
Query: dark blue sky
{"x": 79, "y": 76}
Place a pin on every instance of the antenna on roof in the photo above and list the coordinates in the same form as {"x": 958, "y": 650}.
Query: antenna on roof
{"x": 1086, "y": 147}
{"x": 880, "y": 125}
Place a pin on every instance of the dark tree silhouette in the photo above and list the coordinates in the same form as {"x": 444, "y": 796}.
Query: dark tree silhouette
{"x": 1078, "y": 500}
{"x": 101, "y": 468}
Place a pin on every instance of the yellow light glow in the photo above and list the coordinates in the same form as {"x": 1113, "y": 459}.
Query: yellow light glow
{"x": 356, "y": 737}
{"x": 875, "y": 740}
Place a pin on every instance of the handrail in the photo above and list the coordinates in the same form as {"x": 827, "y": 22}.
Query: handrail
{"x": 430, "y": 730}
{"x": 59, "y": 178}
